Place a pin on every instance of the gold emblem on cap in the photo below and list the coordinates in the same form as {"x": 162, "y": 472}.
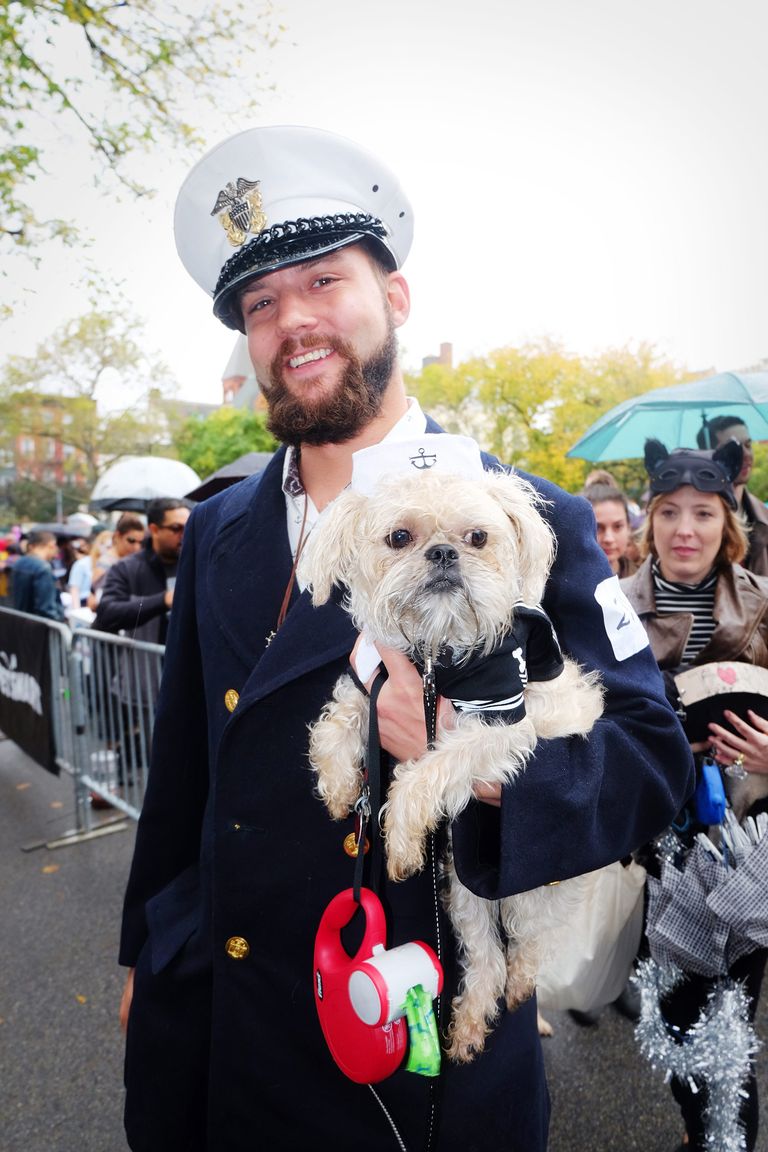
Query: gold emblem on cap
{"x": 231, "y": 698}
{"x": 239, "y": 209}
{"x": 350, "y": 845}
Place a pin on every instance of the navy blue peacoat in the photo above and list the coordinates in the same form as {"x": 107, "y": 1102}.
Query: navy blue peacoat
{"x": 225, "y": 1050}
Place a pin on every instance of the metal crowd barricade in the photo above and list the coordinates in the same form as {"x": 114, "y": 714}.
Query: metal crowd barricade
{"x": 103, "y": 694}
{"x": 59, "y": 638}
{"x": 115, "y": 683}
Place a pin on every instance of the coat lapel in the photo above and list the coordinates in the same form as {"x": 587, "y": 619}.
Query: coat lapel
{"x": 250, "y": 562}
{"x": 248, "y": 574}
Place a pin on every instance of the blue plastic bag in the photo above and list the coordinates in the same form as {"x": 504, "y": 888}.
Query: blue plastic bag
{"x": 709, "y": 798}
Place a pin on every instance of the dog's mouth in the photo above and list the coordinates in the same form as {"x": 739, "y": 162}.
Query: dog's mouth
{"x": 445, "y": 581}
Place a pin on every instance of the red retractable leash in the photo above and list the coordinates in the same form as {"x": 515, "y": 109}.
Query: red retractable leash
{"x": 366, "y": 1002}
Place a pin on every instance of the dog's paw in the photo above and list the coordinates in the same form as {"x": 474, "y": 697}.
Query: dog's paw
{"x": 517, "y": 992}
{"x": 466, "y": 1034}
{"x": 337, "y": 789}
{"x": 339, "y": 807}
{"x": 407, "y": 822}
{"x": 543, "y": 1026}
{"x": 406, "y": 854}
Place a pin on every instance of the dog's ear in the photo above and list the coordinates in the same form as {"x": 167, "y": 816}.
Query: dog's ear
{"x": 330, "y": 549}
{"x": 536, "y": 542}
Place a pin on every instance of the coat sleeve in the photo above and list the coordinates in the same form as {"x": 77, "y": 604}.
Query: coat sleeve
{"x": 582, "y": 803}
{"x": 169, "y": 831}
{"x": 121, "y": 608}
{"x": 45, "y": 596}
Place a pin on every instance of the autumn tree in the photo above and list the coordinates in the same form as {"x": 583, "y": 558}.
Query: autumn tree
{"x": 122, "y": 75}
{"x": 529, "y": 405}
{"x": 73, "y": 367}
{"x": 758, "y": 481}
{"x": 209, "y": 443}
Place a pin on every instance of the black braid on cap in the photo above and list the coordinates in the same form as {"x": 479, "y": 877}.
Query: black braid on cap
{"x": 292, "y": 235}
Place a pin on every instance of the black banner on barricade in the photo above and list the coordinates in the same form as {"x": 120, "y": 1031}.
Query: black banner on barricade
{"x": 26, "y": 715}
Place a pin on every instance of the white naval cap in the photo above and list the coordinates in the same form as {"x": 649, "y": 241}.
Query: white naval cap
{"x": 275, "y": 196}
{"x": 425, "y": 455}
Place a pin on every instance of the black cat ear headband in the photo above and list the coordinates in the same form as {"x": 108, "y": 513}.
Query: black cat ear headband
{"x": 707, "y": 471}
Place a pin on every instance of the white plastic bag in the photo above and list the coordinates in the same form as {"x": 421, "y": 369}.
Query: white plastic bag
{"x": 592, "y": 960}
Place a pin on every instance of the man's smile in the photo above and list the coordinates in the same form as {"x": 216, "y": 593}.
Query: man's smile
{"x": 308, "y": 357}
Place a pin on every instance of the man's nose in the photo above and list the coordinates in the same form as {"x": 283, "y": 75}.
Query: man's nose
{"x": 294, "y": 313}
{"x": 443, "y": 555}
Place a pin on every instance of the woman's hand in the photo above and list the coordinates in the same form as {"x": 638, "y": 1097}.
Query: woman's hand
{"x": 747, "y": 747}
{"x": 402, "y": 727}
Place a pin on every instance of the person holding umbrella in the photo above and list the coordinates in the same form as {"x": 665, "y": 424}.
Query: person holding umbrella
{"x": 713, "y": 434}
{"x": 698, "y": 606}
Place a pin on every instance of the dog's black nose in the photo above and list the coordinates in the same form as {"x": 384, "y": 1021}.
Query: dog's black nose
{"x": 443, "y": 555}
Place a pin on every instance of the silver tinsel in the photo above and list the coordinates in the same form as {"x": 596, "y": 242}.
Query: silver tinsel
{"x": 716, "y": 1052}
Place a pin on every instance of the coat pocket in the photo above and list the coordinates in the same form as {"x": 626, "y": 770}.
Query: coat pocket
{"x": 173, "y": 916}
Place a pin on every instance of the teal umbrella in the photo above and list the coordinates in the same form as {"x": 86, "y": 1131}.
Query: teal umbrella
{"x": 675, "y": 415}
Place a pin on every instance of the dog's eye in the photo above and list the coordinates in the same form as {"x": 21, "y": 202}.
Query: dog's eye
{"x": 399, "y": 538}
{"x": 477, "y": 538}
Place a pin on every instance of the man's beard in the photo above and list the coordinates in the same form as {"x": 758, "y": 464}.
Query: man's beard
{"x": 337, "y": 417}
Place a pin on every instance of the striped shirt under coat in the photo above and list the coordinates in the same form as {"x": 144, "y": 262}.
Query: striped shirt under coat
{"x": 740, "y": 612}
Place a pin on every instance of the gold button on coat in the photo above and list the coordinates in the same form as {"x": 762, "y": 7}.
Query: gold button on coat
{"x": 231, "y": 698}
{"x": 350, "y": 845}
{"x": 237, "y": 947}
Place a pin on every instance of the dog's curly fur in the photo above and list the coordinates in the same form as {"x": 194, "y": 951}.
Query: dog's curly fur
{"x": 381, "y": 549}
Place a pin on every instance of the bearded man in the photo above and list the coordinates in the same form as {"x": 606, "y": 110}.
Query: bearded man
{"x": 299, "y": 236}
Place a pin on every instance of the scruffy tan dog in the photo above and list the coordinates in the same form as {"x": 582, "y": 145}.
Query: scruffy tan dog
{"x": 452, "y": 570}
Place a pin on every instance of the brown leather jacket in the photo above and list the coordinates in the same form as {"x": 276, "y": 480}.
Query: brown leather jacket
{"x": 740, "y": 611}
{"x": 757, "y": 514}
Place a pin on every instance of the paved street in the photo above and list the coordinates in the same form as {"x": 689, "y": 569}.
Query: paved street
{"x": 61, "y": 1049}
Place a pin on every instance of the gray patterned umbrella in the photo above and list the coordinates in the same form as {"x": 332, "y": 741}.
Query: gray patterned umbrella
{"x": 709, "y": 906}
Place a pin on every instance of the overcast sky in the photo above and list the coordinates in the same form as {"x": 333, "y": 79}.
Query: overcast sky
{"x": 596, "y": 172}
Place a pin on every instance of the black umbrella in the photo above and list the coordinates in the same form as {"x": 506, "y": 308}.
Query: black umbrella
{"x": 61, "y": 531}
{"x": 229, "y": 474}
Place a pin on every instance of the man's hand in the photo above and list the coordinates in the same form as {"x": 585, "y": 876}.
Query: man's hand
{"x": 402, "y": 727}
{"x": 168, "y": 598}
{"x": 125, "y": 1003}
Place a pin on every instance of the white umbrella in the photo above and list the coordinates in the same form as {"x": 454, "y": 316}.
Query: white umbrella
{"x": 132, "y": 482}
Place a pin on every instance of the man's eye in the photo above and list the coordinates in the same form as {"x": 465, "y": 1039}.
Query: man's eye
{"x": 400, "y": 538}
{"x": 323, "y": 280}
{"x": 477, "y": 538}
{"x": 252, "y": 306}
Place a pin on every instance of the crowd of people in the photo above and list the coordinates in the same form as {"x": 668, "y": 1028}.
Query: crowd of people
{"x": 236, "y": 859}
{"x": 88, "y": 581}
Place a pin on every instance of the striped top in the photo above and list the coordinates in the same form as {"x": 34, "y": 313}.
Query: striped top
{"x": 698, "y": 599}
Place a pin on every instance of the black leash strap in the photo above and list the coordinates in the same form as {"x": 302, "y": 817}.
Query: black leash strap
{"x": 367, "y": 806}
